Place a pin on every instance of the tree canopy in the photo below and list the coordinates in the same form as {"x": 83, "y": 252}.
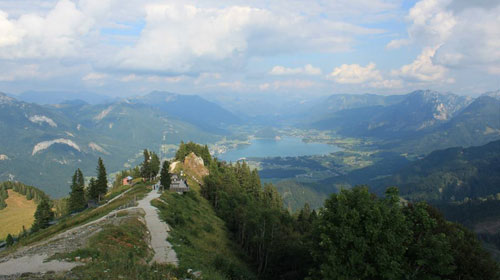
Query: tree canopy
{"x": 43, "y": 216}
{"x": 77, "y": 201}
{"x": 360, "y": 236}
{"x": 165, "y": 175}
{"x": 191, "y": 147}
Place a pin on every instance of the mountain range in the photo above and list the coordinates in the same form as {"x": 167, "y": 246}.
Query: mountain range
{"x": 43, "y": 144}
{"x": 421, "y": 121}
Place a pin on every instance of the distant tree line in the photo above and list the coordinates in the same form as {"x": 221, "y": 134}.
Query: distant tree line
{"x": 43, "y": 214}
{"x": 356, "y": 235}
{"x": 29, "y": 191}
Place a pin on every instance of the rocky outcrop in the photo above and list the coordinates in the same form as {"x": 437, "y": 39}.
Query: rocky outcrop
{"x": 46, "y": 144}
{"x": 39, "y": 119}
{"x": 196, "y": 165}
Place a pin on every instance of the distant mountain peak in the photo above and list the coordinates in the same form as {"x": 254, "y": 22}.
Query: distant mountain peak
{"x": 494, "y": 94}
{"x": 4, "y": 99}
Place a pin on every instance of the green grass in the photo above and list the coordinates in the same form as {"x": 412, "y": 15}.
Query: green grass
{"x": 18, "y": 213}
{"x": 119, "y": 252}
{"x": 200, "y": 238}
{"x": 81, "y": 218}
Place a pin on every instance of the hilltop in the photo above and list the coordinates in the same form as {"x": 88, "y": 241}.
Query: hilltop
{"x": 230, "y": 226}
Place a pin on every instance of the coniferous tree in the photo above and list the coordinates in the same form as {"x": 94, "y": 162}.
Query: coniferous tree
{"x": 43, "y": 216}
{"x": 9, "y": 240}
{"x": 93, "y": 193}
{"x": 146, "y": 165}
{"x": 165, "y": 175}
{"x": 102, "y": 179}
{"x": 77, "y": 200}
{"x": 154, "y": 164}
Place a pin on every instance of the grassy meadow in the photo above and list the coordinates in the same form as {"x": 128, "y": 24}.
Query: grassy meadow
{"x": 18, "y": 213}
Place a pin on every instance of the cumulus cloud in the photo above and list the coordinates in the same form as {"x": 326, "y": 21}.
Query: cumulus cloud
{"x": 57, "y": 34}
{"x": 181, "y": 38}
{"x": 307, "y": 70}
{"x": 430, "y": 24}
{"x": 461, "y": 34}
{"x": 474, "y": 42}
{"x": 367, "y": 76}
{"x": 355, "y": 74}
{"x": 422, "y": 69}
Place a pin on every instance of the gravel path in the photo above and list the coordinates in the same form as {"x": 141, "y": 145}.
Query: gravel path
{"x": 34, "y": 264}
{"x": 159, "y": 232}
{"x": 31, "y": 258}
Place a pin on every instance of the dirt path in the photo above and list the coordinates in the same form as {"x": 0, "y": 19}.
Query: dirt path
{"x": 34, "y": 264}
{"x": 159, "y": 232}
{"x": 31, "y": 258}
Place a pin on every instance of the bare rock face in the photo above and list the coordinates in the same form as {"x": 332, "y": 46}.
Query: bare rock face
{"x": 195, "y": 164}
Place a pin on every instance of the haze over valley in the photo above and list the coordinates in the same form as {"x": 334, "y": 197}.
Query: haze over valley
{"x": 233, "y": 140}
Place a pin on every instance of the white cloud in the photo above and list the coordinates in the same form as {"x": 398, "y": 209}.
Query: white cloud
{"x": 474, "y": 42}
{"x": 94, "y": 76}
{"x": 58, "y": 34}
{"x": 8, "y": 33}
{"x": 307, "y": 70}
{"x": 355, "y": 74}
{"x": 467, "y": 33}
{"x": 430, "y": 24}
{"x": 187, "y": 38}
{"x": 398, "y": 43}
{"x": 20, "y": 72}
{"x": 422, "y": 69}
{"x": 387, "y": 84}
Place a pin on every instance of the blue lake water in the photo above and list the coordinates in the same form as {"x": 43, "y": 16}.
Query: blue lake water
{"x": 286, "y": 147}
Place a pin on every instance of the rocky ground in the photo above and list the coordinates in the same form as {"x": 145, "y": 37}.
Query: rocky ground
{"x": 32, "y": 259}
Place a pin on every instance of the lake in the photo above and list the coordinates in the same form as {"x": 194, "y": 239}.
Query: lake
{"x": 286, "y": 147}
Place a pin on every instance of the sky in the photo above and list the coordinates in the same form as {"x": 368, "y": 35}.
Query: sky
{"x": 287, "y": 47}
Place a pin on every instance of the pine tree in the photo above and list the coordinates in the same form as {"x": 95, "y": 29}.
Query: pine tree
{"x": 43, "y": 216}
{"x": 155, "y": 165}
{"x": 102, "y": 179}
{"x": 93, "y": 193}
{"x": 77, "y": 195}
{"x": 146, "y": 166}
{"x": 165, "y": 175}
{"x": 9, "y": 240}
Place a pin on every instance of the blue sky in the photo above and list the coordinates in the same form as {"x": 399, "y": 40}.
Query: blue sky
{"x": 287, "y": 47}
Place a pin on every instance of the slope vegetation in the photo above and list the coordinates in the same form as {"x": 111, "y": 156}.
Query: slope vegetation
{"x": 18, "y": 213}
{"x": 200, "y": 238}
{"x": 452, "y": 174}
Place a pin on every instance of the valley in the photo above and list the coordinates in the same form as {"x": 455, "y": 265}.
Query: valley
{"x": 250, "y": 140}
{"x": 377, "y": 141}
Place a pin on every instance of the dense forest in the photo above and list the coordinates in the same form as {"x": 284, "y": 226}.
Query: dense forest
{"x": 356, "y": 235}
{"x": 453, "y": 174}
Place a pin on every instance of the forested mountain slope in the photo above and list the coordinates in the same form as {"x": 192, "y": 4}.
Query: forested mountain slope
{"x": 451, "y": 174}
{"x": 43, "y": 145}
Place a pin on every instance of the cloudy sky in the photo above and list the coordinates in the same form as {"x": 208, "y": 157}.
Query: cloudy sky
{"x": 311, "y": 47}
